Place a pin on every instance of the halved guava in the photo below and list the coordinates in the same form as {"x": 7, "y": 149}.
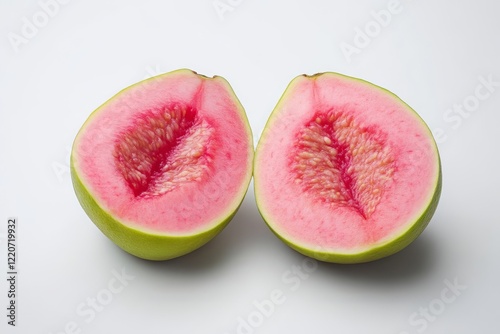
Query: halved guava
{"x": 345, "y": 171}
{"x": 163, "y": 166}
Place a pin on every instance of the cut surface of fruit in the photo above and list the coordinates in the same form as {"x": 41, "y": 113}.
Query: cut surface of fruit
{"x": 162, "y": 166}
{"x": 345, "y": 171}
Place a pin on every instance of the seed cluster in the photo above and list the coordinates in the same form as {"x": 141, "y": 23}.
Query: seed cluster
{"x": 342, "y": 162}
{"x": 162, "y": 150}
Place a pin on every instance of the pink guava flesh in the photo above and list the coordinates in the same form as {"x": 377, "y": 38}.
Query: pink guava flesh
{"x": 343, "y": 165}
{"x": 168, "y": 155}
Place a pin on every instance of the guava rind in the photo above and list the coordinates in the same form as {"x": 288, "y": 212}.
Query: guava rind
{"x": 145, "y": 245}
{"x": 375, "y": 253}
{"x": 390, "y": 247}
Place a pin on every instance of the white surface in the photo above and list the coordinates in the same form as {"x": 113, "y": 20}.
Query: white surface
{"x": 431, "y": 54}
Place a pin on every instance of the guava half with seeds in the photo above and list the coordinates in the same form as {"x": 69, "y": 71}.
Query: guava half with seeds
{"x": 345, "y": 171}
{"x": 163, "y": 166}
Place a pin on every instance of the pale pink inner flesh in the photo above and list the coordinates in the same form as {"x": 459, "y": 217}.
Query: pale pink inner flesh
{"x": 170, "y": 155}
{"x": 358, "y": 166}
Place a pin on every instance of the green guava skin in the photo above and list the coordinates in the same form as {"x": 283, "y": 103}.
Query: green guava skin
{"x": 391, "y": 247}
{"x": 397, "y": 243}
{"x": 146, "y": 245}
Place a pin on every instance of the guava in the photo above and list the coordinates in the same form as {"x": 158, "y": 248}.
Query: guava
{"x": 345, "y": 171}
{"x": 163, "y": 166}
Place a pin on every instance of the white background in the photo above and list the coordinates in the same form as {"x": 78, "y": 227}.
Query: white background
{"x": 432, "y": 54}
